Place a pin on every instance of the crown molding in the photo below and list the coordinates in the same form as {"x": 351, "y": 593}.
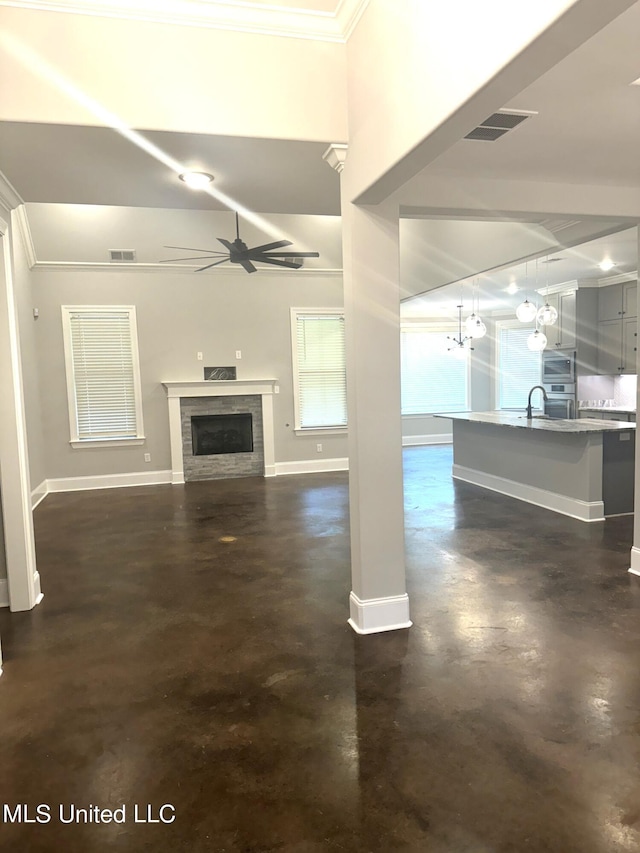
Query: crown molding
{"x": 100, "y": 266}
{"x": 562, "y": 287}
{"x": 335, "y": 155}
{"x": 24, "y": 228}
{"x": 245, "y": 17}
{"x": 9, "y": 196}
{"x": 621, "y": 278}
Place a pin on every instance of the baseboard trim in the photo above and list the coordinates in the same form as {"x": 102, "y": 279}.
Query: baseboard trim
{"x": 574, "y": 508}
{"x": 635, "y": 561}
{"x": 420, "y": 440}
{"x": 375, "y": 615}
{"x": 4, "y": 592}
{"x": 39, "y": 494}
{"x": 109, "y": 481}
{"x": 311, "y": 466}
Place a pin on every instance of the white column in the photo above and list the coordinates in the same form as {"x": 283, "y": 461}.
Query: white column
{"x": 24, "y": 581}
{"x": 378, "y": 600}
{"x": 635, "y": 550}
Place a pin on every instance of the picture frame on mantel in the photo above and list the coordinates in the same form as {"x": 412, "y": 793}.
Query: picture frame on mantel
{"x": 217, "y": 374}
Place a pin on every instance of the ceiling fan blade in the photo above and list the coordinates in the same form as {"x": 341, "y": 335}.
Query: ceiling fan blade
{"x": 248, "y": 266}
{"x": 295, "y": 254}
{"x": 191, "y": 249}
{"x": 194, "y": 258}
{"x": 216, "y": 264}
{"x": 225, "y": 243}
{"x": 265, "y": 259}
{"x": 279, "y": 244}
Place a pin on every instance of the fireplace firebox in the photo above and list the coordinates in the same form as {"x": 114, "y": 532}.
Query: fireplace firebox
{"x": 217, "y": 434}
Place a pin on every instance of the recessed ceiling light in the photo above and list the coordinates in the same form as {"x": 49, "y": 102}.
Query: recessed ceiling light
{"x": 196, "y": 180}
{"x": 606, "y": 265}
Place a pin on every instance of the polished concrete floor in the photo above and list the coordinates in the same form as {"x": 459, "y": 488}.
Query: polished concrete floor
{"x": 168, "y": 666}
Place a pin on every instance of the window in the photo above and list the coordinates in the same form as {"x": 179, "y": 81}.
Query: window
{"x": 433, "y": 379}
{"x": 518, "y": 367}
{"x": 103, "y": 374}
{"x": 319, "y": 373}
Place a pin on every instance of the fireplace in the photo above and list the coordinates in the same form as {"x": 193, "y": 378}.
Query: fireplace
{"x": 213, "y": 434}
{"x": 213, "y": 457}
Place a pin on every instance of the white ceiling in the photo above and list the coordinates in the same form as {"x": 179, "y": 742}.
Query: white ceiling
{"x": 587, "y": 130}
{"x": 579, "y": 264}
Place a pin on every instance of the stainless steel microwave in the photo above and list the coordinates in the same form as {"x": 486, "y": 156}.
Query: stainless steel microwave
{"x": 558, "y": 367}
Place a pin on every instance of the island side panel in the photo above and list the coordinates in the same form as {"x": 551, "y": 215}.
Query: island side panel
{"x": 618, "y": 472}
{"x": 563, "y": 463}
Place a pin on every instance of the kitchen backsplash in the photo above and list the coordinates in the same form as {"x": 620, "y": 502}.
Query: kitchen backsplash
{"x": 620, "y": 389}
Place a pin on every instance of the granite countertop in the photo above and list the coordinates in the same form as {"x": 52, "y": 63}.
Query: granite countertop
{"x": 616, "y": 410}
{"x": 580, "y": 425}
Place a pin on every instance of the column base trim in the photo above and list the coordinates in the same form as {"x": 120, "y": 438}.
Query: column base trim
{"x": 573, "y": 507}
{"x": 375, "y": 615}
{"x": 635, "y": 561}
{"x": 4, "y": 593}
{"x": 424, "y": 440}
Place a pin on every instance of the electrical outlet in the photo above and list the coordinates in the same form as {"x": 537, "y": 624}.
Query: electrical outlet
{"x": 238, "y": 353}
{"x": 199, "y": 356}
{"x": 319, "y": 448}
{"x": 147, "y": 457}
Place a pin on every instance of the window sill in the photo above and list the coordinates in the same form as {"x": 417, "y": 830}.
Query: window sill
{"x": 106, "y": 442}
{"x": 321, "y": 431}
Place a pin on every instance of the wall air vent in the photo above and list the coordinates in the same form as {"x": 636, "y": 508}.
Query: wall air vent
{"x": 497, "y": 125}
{"x": 122, "y": 256}
{"x": 556, "y": 225}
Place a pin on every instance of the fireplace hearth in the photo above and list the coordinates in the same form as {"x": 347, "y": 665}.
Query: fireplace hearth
{"x": 218, "y": 434}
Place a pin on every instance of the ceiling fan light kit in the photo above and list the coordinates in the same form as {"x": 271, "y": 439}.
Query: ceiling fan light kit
{"x": 239, "y": 253}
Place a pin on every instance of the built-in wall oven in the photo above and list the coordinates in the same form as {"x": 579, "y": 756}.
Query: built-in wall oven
{"x": 558, "y": 367}
{"x": 561, "y": 400}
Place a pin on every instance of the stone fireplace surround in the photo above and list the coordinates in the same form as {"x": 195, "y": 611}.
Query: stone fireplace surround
{"x": 254, "y": 395}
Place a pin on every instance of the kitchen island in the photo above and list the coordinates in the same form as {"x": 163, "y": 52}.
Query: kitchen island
{"x": 582, "y": 468}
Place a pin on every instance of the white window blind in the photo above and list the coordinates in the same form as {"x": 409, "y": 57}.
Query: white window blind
{"x": 102, "y": 371}
{"x": 433, "y": 379}
{"x": 320, "y": 372}
{"x": 518, "y": 367}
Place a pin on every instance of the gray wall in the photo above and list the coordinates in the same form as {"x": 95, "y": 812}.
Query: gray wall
{"x": 178, "y": 315}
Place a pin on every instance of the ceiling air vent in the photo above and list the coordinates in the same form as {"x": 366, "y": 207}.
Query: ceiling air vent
{"x": 497, "y": 125}
{"x": 122, "y": 256}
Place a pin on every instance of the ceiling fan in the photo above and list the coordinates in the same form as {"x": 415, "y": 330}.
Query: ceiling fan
{"x": 239, "y": 253}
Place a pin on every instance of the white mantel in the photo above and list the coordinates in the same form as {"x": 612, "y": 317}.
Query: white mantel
{"x": 265, "y": 388}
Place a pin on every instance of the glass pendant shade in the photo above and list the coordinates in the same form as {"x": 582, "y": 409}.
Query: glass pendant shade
{"x": 537, "y": 341}
{"x": 526, "y": 311}
{"x": 547, "y": 315}
{"x": 477, "y": 329}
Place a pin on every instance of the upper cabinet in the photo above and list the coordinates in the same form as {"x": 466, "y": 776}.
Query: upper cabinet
{"x": 617, "y": 301}
{"x": 617, "y": 329}
{"x": 563, "y": 333}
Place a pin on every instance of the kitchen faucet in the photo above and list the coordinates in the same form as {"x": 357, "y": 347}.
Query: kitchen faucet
{"x": 544, "y": 397}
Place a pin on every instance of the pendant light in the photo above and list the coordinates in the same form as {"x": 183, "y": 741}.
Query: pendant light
{"x": 459, "y": 346}
{"x": 473, "y": 324}
{"x": 547, "y": 315}
{"x": 537, "y": 340}
{"x": 526, "y": 311}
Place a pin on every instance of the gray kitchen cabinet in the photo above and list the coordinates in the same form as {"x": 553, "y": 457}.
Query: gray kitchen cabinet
{"x": 617, "y": 329}
{"x": 630, "y": 299}
{"x": 563, "y": 333}
{"x": 610, "y": 303}
{"x": 629, "y": 346}
{"x": 609, "y": 347}
{"x": 617, "y": 301}
{"x": 617, "y": 346}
